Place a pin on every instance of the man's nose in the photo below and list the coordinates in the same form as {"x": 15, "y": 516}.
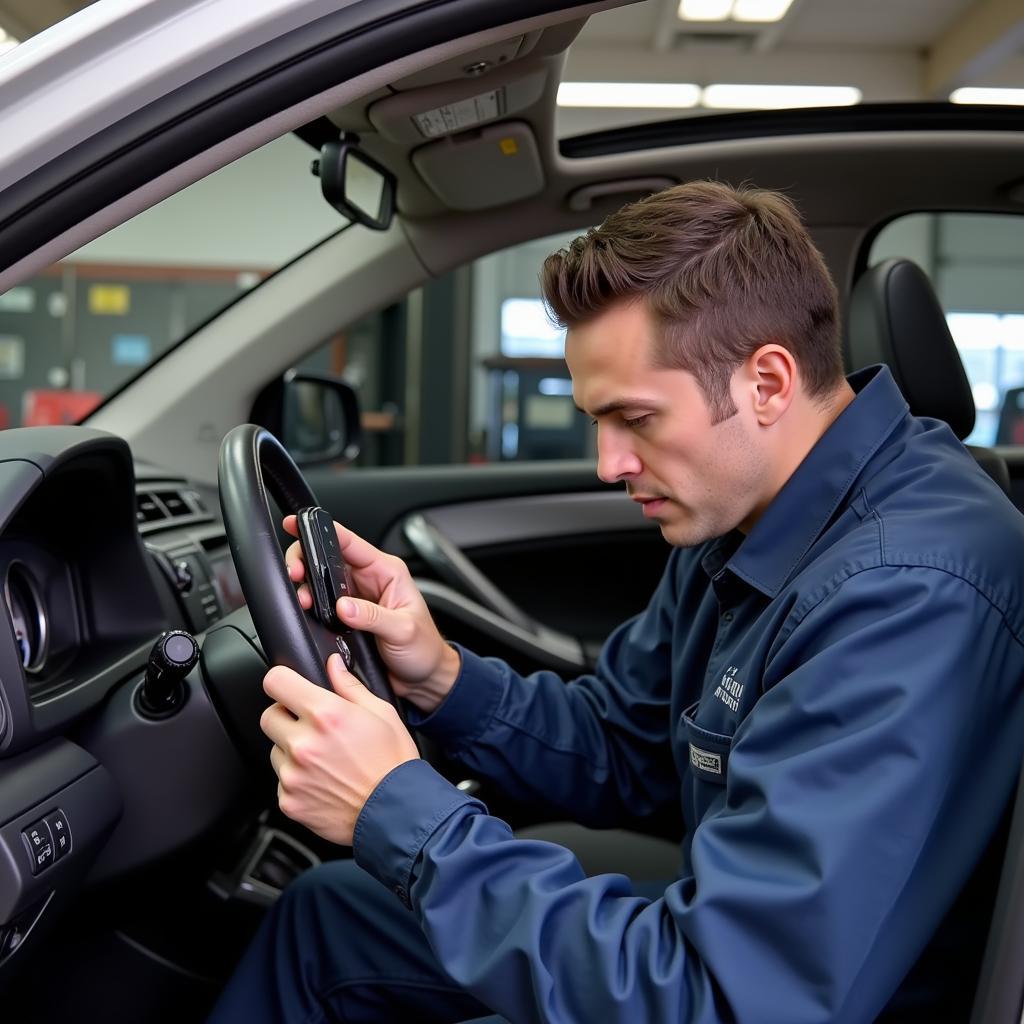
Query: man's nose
{"x": 616, "y": 459}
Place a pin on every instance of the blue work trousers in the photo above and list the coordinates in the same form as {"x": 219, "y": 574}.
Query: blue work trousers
{"x": 338, "y": 946}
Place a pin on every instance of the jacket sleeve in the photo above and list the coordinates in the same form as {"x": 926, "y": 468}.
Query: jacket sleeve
{"x": 817, "y": 880}
{"x": 596, "y": 748}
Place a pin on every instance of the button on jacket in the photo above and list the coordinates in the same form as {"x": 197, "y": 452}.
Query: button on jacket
{"x": 833, "y": 700}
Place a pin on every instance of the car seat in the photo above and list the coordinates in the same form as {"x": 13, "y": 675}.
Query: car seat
{"x": 895, "y": 318}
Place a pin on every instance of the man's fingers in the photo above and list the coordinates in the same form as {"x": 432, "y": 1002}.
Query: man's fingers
{"x": 346, "y": 685}
{"x": 276, "y": 722}
{"x": 390, "y": 625}
{"x": 276, "y": 759}
{"x": 374, "y": 570}
{"x": 293, "y": 556}
{"x": 359, "y": 553}
{"x": 295, "y": 692}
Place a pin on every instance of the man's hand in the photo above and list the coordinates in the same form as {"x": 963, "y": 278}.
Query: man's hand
{"x": 330, "y": 749}
{"x": 422, "y": 667}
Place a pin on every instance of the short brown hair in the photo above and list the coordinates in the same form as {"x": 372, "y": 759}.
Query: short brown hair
{"x": 723, "y": 271}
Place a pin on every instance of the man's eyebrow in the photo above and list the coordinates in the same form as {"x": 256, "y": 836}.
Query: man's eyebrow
{"x": 617, "y": 404}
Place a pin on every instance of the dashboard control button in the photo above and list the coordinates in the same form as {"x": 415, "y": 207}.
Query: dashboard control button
{"x": 39, "y": 844}
{"x": 183, "y": 576}
{"x": 60, "y": 830}
{"x": 10, "y": 938}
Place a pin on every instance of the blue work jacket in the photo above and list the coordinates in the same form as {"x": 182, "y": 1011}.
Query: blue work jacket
{"x": 835, "y": 700}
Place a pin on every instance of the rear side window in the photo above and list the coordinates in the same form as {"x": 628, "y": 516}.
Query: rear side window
{"x": 976, "y": 264}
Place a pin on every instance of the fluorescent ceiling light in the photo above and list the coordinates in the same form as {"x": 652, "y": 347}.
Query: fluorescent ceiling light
{"x": 637, "y": 95}
{"x": 1009, "y": 97}
{"x": 705, "y": 10}
{"x": 760, "y": 10}
{"x": 738, "y": 10}
{"x": 778, "y": 97}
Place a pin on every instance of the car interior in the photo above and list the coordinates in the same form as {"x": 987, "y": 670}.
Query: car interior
{"x": 420, "y": 156}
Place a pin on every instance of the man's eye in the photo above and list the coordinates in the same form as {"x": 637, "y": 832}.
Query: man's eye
{"x": 637, "y": 421}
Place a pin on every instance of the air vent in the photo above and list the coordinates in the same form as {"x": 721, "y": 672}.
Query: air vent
{"x": 148, "y": 509}
{"x": 160, "y": 506}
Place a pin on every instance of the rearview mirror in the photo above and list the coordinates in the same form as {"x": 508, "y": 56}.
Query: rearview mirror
{"x": 355, "y": 184}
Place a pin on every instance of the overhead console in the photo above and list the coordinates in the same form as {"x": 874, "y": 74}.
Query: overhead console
{"x": 465, "y": 124}
{"x": 434, "y": 112}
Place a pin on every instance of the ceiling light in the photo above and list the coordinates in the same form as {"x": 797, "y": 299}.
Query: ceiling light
{"x": 636, "y": 95}
{"x": 705, "y": 10}
{"x": 1010, "y": 97}
{"x": 778, "y": 97}
{"x": 760, "y": 10}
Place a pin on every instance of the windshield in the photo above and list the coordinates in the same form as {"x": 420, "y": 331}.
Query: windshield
{"x": 84, "y": 327}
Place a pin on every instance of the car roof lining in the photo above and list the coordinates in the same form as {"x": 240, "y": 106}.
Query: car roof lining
{"x": 434, "y": 228}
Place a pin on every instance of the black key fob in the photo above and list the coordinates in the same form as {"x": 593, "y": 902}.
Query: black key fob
{"x": 327, "y": 574}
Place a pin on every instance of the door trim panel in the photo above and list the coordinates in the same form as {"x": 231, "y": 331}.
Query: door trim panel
{"x": 474, "y": 524}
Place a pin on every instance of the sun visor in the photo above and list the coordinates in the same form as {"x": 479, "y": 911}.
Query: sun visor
{"x": 489, "y": 167}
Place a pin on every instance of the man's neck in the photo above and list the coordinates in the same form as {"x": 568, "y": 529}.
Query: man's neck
{"x": 803, "y": 428}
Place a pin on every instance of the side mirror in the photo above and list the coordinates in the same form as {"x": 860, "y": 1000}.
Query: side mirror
{"x": 315, "y": 417}
{"x": 355, "y": 184}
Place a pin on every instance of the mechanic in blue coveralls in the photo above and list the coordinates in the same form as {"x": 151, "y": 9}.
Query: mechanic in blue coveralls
{"x": 827, "y": 679}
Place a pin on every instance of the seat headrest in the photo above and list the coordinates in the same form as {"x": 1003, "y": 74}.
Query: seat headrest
{"x": 895, "y": 318}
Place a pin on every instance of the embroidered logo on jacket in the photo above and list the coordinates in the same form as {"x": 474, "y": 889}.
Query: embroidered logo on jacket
{"x": 730, "y": 689}
{"x": 705, "y": 760}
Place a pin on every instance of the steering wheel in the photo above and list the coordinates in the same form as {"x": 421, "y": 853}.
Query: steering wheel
{"x": 253, "y": 465}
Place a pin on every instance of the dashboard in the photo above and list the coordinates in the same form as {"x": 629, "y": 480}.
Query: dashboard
{"x": 99, "y": 555}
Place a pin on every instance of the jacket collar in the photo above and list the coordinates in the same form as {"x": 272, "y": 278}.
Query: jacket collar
{"x": 799, "y": 513}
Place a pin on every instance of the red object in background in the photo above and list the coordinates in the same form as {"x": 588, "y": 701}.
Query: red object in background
{"x": 40, "y": 408}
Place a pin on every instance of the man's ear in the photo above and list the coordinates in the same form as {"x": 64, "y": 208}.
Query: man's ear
{"x": 773, "y": 374}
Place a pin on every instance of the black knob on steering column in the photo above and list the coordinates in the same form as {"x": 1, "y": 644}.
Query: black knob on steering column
{"x": 162, "y": 692}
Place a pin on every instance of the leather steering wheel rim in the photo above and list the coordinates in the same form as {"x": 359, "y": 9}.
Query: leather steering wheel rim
{"x": 254, "y": 466}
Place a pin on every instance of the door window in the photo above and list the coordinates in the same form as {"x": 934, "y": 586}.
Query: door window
{"x": 466, "y": 369}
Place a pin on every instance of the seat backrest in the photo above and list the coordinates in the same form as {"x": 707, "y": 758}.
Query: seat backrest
{"x": 895, "y": 318}
{"x": 999, "y": 998}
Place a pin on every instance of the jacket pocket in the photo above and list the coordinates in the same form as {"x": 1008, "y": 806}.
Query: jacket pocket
{"x": 709, "y": 751}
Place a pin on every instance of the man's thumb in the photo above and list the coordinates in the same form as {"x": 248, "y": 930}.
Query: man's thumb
{"x": 345, "y": 684}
